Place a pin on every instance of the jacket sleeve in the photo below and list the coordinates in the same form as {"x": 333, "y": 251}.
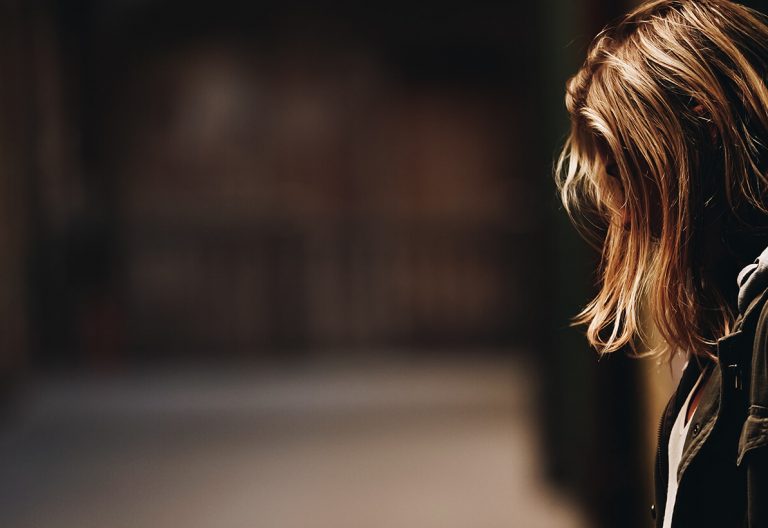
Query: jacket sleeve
{"x": 753, "y": 441}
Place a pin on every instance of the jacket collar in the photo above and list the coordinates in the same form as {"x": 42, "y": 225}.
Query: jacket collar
{"x": 752, "y": 280}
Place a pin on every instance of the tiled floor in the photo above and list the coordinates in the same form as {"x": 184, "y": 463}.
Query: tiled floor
{"x": 371, "y": 446}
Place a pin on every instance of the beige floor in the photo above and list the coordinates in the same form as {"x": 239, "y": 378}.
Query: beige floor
{"x": 371, "y": 446}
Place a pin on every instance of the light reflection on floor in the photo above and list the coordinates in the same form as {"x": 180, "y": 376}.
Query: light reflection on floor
{"x": 371, "y": 446}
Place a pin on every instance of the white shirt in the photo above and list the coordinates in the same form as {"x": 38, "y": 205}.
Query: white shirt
{"x": 675, "y": 450}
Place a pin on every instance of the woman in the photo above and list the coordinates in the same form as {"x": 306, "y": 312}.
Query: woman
{"x": 665, "y": 170}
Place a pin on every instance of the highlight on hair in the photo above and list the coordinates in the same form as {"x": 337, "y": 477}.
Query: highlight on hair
{"x": 669, "y": 124}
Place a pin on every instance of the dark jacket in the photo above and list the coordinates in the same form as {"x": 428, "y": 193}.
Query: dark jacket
{"x": 723, "y": 472}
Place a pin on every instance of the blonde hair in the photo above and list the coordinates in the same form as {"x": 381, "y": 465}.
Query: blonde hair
{"x": 673, "y": 98}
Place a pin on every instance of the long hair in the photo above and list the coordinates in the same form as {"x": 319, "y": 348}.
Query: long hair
{"x": 664, "y": 170}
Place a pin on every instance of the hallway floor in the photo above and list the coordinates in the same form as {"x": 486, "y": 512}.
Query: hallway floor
{"x": 366, "y": 446}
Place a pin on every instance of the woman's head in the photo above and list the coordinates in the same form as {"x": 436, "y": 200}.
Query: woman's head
{"x": 664, "y": 168}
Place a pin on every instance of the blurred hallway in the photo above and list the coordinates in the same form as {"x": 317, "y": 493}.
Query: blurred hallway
{"x": 358, "y": 195}
{"x": 376, "y": 445}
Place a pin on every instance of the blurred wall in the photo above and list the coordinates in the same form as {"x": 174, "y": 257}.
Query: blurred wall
{"x": 281, "y": 176}
{"x": 16, "y": 148}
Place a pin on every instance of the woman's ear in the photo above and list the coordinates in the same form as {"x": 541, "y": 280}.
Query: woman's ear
{"x": 699, "y": 110}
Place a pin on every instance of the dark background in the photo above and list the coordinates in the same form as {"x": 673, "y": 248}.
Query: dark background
{"x": 297, "y": 187}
